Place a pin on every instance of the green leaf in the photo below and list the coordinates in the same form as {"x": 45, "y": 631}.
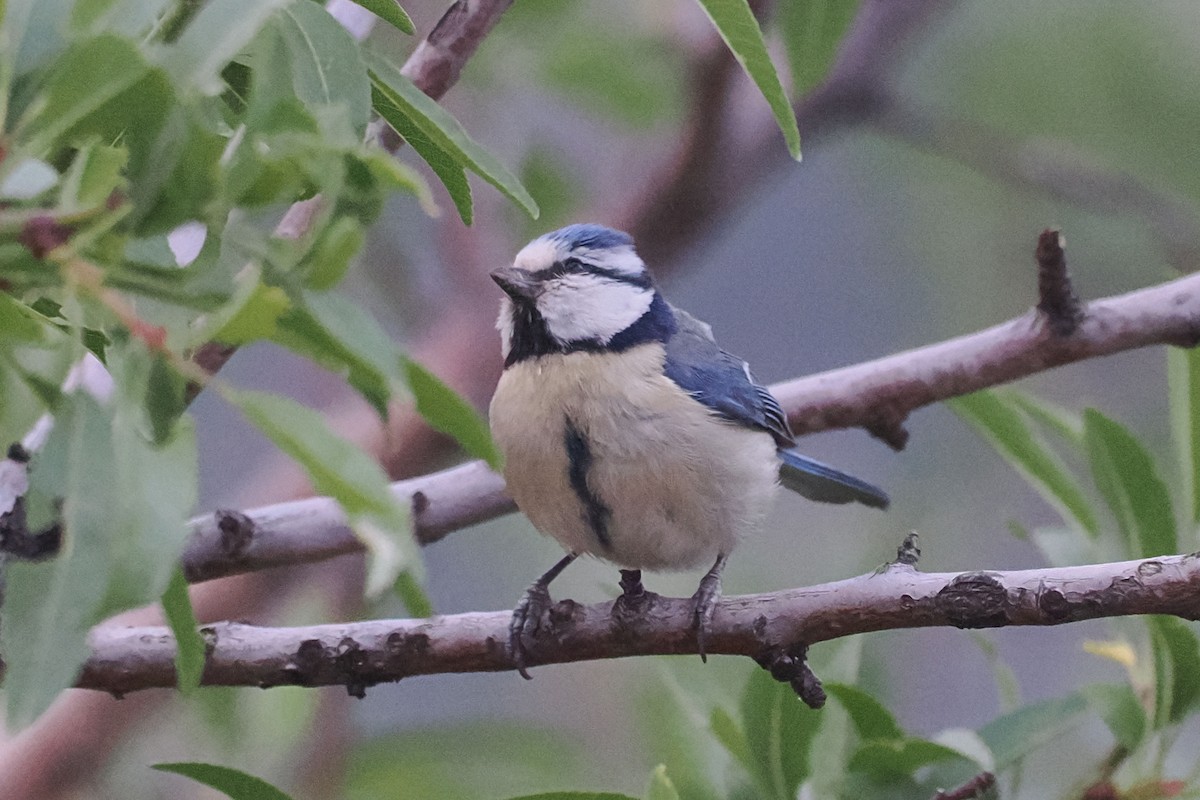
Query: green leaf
{"x": 575, "y": 796}
{"x": 92, "y": 73}
{"x": 413, "y": 596}
{"x": 871, "y": 719}
{"x": 731, "y": 736}
{"x": 1118, "y": 706}
{"x": 995, "y": 417}
{"x": 189, "y": 644}
{"x": 1014, "y": 735}
{"x": 446, "y": 411}
{"x": 736, "y": 23}
{"x": 449, "y": 171}
{"x": 221, "y": 30}
{"x": 231, "y": 782}
{"x": 332, "y": 253}
{"x": 325, "y": 63}
{"x": 123, "y": 508}
{"x": 888, "y": 759}
{"x": 661, "y": 787}
{"x": 1183, "y": 373}
{"x": 812, "y": 31}
{"x": 1126, "y": 476}
{"x": 95, "y": 173}
{"x": 443, "y": 130}
{"x": 252, "y": 314}
{"x": 339, "y": 469}
{"x": 1176, "y": 669}
{"x": 779, "y": 732}
{"x": 389, "y": 11}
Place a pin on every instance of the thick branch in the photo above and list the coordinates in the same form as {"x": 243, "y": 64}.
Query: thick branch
{"x": 877, "y": 395}
{"x": 360, "y": 654}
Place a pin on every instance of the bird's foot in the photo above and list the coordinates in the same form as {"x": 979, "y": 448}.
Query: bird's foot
{"x": 704, "y": 605}
{"x": 526, "y": 618}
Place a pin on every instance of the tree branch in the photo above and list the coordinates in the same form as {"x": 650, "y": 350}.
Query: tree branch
{"x": 876, "y": 395}
{"x": 361, "y": 654}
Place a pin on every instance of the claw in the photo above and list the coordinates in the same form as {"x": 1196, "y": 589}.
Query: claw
{"x": 527, "y": 616}
{"x": 704, "y": 604}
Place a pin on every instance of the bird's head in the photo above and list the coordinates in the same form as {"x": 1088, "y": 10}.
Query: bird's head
{"x": 580, "y": 288}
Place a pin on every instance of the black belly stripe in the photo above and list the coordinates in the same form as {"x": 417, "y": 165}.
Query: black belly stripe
{"x": 579, "y": 459}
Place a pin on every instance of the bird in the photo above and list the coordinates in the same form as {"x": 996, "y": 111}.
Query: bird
{"x": 627, "y": 433}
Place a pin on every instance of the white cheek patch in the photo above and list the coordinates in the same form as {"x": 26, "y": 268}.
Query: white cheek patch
{"x": 504, "y": 324}
{"x": 588, "y": 307}
{"x": 538, "y": 254}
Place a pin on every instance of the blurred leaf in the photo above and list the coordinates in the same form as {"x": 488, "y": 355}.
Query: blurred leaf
{"x": 575, "y": 796}
{"x": 124, "y": 503}
{"x": 413, "y": 596}
{"x": 164, "y": 398}
{"x": 391, "y": 173}
{"x": 339, "y": 469}
{"x": 221, "y": 30}
{"x": 871, "y": 719}
{"x": 1118, "y": 706}
{"x": 331, "y": 328}
{"x": 548, "y": 177}
{"x": 888, "y": 759}
{"x": 93, "y": 73}
{"x": 446, "y": 411}
{"x": 1063, "y": 546}
{"x": 1115, "y": 650}
{"x": 1183, "y": 373}
{"x": 129, "y": 18}
{"x": 1007, "y": 686}
{"x": 252, "y": 314}
{"x": 94, "y": 174}
{"x": 812, "y": 31}
{"x": 1014, "y": 735}
{"x": 736, "y": 23}
{"x": 661, "y": 787}
{"x": 443, "y": 130}
{"x": 1176, "y": 669}
{"x": 389, "y": 11}
{"x": 234, "y": 783}
{"x": 969, "y": 744}
{"x": 996, "y": 418}
{"x": 779, "y": 731}
{"x": 325, "y": 63}
{"x": 1066, "y": 424}
{"x": 731, "y": 736}
{"x": 463, "y": 762}
{"x": 671, "y": 720}
{"x": 1126, "y": 476}
{"x": 332, "y": 253}
{"x": 621, "y": 77}
{"x": 448, "y": 170}
{"x": 189, "y": 644}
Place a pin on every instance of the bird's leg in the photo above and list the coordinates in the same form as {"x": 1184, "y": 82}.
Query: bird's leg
{"x": 528, "y": 613}
{"x": 631, "y": 584}
{"x": 705, "y": 602}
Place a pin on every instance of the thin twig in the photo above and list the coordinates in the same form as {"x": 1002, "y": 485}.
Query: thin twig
{"x": 361, "y": 654}
{"x": 876, "y": 395}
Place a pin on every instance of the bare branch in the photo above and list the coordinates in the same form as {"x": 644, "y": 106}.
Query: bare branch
{"x": 876, "y": 395}
{"x": 361, "y": 654}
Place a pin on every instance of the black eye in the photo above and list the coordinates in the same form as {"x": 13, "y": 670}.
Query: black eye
{"x": 568, "y": 266}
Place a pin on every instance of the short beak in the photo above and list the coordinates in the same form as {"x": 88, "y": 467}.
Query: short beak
{"x": 516, "y": 283}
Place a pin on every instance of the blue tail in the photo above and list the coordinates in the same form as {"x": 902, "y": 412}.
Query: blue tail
{"x": 822, "y": 483}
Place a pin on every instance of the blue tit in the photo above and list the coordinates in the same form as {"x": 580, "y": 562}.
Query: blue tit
{"x": 628, "y": 434}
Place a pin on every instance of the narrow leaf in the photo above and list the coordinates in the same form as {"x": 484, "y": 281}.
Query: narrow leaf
{"x": 445, "y": 131}
{"x": 812, "y": 31}
{"x": 661, "y": 787}
{"x": 446, "y": 411}
{"x": 189, "y": 644}
{"x": 413, "y": 596}
{"x": 574, "y": 796}
{"x": 1176, "y": 669}
{"x": 220, "y": 31}
{"x": 1128, "y": 479}
{"x": 231, "y": 782}
{"x": 736, "y": 23}
{"x": 1183, "y": 371}
{"x": 779, "y": 732}
{"x": 326, "y": 66}
{"x": 996, "y": 418}
{"x": 1118, "y": 706}
{"x": 888, "y": 759}
{"x": 449, "y": 171}
{"x": 339, "y": 469}
{"x": 871, "y": 718}
{"x": 1014, "y": 735}
{"x": 389, "y": 11}
{"x": 731, "y": 736}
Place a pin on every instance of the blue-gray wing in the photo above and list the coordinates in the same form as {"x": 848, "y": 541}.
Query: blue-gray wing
{"x": 723, "y": 383}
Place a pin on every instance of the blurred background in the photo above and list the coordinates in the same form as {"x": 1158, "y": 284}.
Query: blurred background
{"x": 911, "y": 219}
